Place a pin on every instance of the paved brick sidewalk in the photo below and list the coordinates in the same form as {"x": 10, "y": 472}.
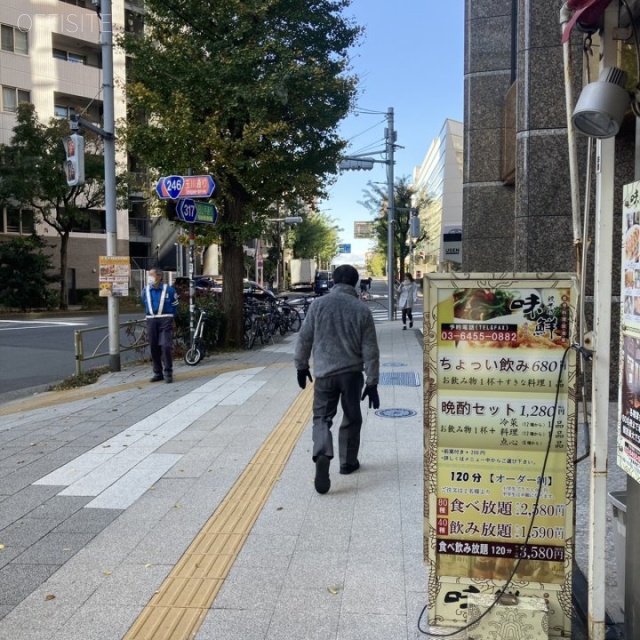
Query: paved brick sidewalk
{"x": 104, "y": 488}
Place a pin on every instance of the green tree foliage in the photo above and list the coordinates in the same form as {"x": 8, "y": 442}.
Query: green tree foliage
{"x": 25, "y": 274}
{"x": 316, "y": 237}
{"x": 376, "y": 203}
{"x": 377, "y": 264}
{"x": 31, "y": 175}
{"x": 250, "y": 91}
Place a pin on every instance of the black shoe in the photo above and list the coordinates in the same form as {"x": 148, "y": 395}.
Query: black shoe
{"x": 322, "y": 481}
{"x": 169, "y": 379}
{"x": 157, "y": 377}
{"x": 346, "y": 469}
{"x": 411, "y": 325}
{"x": 404, "y": 328}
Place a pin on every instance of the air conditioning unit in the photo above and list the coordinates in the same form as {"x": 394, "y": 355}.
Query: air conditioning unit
{"x": 521, "y": 617}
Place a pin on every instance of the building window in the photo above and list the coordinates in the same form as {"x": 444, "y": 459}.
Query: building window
{"x": 18, "y": 221}
{"x": 12, "y": 97}
{"x": 95, "y": 221}
{"x": 13, "y": 39}
{"x": 69, "y": 56}
{"x": 60, "y": 112}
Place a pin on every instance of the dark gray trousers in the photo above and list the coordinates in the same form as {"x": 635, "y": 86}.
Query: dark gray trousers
{"x": 345, "y": 388}
{"x": 160, "y": 332}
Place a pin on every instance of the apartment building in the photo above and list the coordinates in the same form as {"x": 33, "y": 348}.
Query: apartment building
{"x": 50, "y": 55}
{"x": 440, "y": 178}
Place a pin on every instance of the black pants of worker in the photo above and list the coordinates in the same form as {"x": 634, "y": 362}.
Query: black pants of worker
{"x": 327, "y": 392}
{"x": 407, "y": 312}
{"x": 160, "y": 332}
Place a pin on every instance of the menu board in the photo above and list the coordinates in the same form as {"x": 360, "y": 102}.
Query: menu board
{"x": 500, "y": 418}
{"x": 114, "y": 276}
{"x": 628, "y": 442}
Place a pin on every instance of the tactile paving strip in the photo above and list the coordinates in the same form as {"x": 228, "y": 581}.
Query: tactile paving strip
{"x": 179, "y": 607}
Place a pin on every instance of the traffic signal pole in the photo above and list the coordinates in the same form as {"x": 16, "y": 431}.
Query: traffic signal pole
{"x": 390, "y": 140}
{"x": 106, "y": 44}
{"x": 108, "y": 135}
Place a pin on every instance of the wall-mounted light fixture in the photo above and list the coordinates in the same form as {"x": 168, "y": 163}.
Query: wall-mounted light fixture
{"x": 602, "y": 104}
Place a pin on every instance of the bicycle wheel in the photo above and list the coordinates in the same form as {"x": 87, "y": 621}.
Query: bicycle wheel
{"x": 294, "y": 321}
{"x": 193, "y": 355}
{"x": 249, "y": 332}
{"x": 264, "y": 331}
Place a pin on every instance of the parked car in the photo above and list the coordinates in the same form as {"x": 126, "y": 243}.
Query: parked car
{"x": 204, "y": 285}
{"x": 323, "y": 282}
{"x": 257, "y": 291}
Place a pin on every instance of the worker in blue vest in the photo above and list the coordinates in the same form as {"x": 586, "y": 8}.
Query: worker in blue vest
{"x": 161, "y": 306}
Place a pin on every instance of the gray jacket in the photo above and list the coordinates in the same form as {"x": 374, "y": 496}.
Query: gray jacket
{"x": 340, "y": 332}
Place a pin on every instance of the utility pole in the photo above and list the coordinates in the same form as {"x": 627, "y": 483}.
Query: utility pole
{"x": 390, "y": 140}
{"x": 363, "y": 162}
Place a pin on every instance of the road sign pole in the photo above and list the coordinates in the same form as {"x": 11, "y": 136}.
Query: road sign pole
{"x": 192, "y": 288}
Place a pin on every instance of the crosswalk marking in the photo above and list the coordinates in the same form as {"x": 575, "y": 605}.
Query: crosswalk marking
{"x": 118, "y": 471}
{"x": 21, "y": 325}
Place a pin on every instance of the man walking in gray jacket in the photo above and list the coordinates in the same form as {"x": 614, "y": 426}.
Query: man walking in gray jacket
{"x": 340, "y": 333}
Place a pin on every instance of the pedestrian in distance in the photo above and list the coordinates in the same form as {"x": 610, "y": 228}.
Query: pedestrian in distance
{"x": 161, "y": 306}
{"x": 365, "y": 285}
{"x": 407, "y": 297}
{"x": 339, "y": 332}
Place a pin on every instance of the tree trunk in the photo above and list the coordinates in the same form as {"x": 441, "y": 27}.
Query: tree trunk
{"x": 64, "y": 288}
{"x": 232, "y": 276}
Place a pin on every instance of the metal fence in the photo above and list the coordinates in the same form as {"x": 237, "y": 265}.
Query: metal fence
{"x": 90, "y": 345}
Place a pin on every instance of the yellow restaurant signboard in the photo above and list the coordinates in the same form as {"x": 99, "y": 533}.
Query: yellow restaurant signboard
{"x": 500, "y": 430}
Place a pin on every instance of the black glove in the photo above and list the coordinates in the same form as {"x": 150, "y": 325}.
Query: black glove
{"x": 371, "y": 390}
{"x": 303, "y": 374}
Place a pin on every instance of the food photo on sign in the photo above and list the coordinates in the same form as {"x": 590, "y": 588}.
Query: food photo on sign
{"x": 505, "y": 318}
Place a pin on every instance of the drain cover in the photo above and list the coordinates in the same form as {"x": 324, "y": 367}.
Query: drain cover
{"x": 400, "y": 379}
{"x": 396, "y": 413}
{"x": 394, "y": 364}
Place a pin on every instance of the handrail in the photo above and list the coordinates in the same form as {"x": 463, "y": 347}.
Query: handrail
{"x": 135, "y": 337}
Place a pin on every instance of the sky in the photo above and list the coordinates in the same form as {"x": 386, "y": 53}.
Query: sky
{"x": 409, "y": 58}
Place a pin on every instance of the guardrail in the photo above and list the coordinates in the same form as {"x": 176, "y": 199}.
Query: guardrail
{"x": 132, "y": 336}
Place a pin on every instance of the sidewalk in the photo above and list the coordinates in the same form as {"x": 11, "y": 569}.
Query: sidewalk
{"x": 138, "y": 510}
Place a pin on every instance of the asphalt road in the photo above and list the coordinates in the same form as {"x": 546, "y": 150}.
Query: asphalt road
{"x": 37, "y": 352}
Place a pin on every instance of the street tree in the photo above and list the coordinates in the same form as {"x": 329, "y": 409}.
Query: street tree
{"x": 316, "y": 237}
{"x": 251, "y": 92}
{"x": 26, "y": 274}
{"x": 32, "y": 176}
{"x": 404, "y": 200}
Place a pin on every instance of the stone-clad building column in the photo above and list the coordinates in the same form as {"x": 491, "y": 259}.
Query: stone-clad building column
{"x": 488, "y": 206}
{"x": 543, "y": 215}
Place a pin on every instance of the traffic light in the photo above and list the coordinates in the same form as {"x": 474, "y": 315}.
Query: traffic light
{"x": 414, "y": 228}
{"x": 355, "y": 164}
{"x": 74, "y": 164}
{"x": 171, "y": 209}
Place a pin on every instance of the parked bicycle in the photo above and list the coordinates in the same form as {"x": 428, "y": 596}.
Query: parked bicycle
{"x": 289, "y": 318}
{"x": 198, "y": 348}
{"x": 257, "y": 323}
